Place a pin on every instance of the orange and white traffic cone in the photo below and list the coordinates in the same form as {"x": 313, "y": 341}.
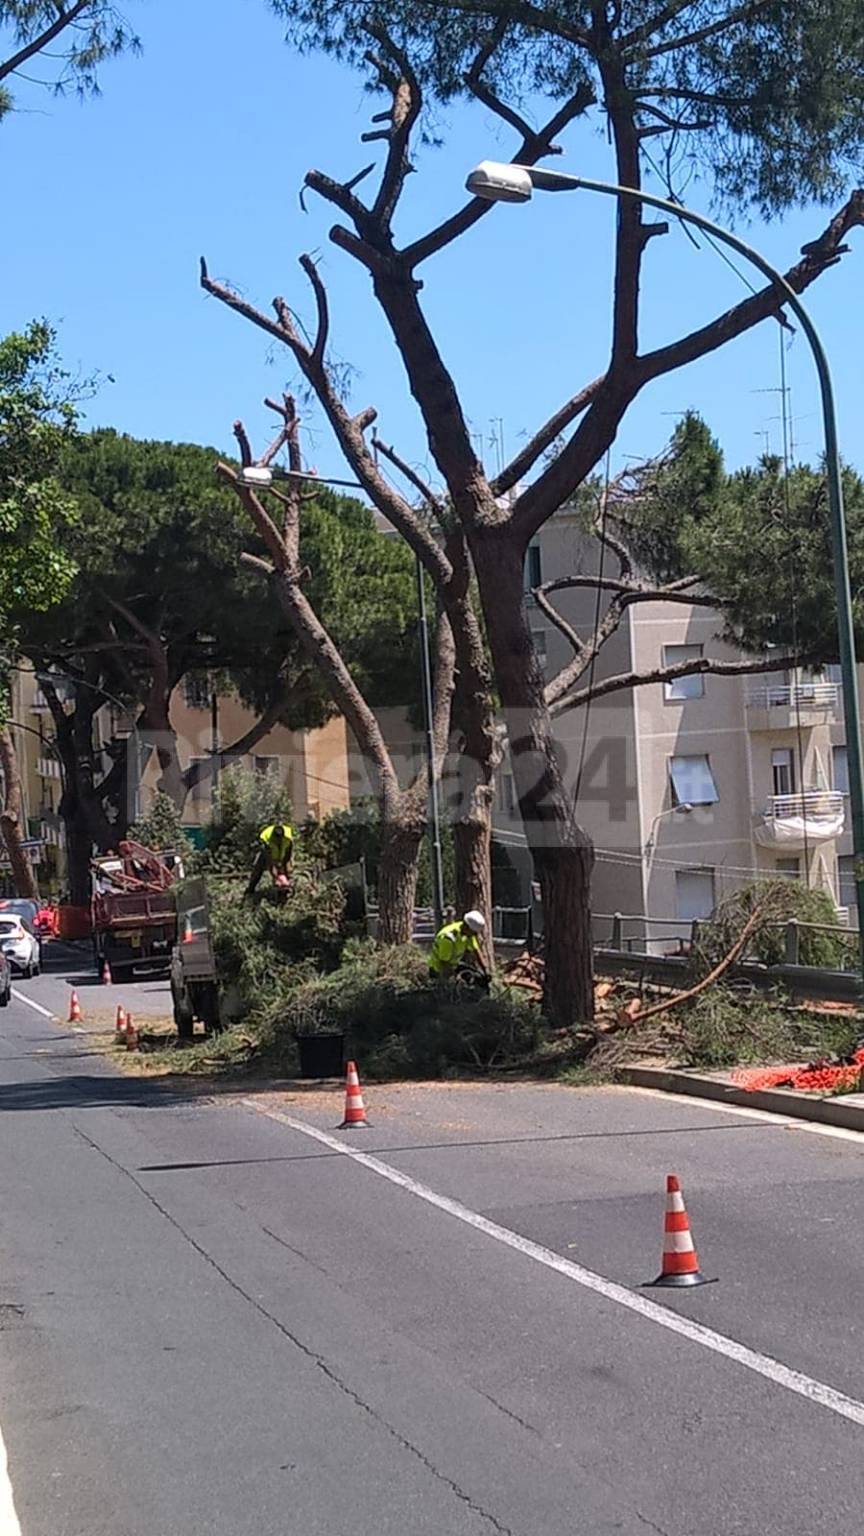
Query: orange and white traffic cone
{"x": 131, "y": 1034}
{"x": 106, "y": 975}
{"x": 120, "y": 1025}
{"x": 680, "y": 1261}
{"x": 75, "y": 1014}
{"x": 355, "y": 1109}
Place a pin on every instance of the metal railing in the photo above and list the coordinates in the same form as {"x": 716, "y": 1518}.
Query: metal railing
{"x": 807, "y": 805}
{"x": 786, "y": 696}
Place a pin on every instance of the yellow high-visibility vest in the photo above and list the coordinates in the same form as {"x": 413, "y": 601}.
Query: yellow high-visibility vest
{"x": 451, "y": 944}
{"x": 277, "y": 843}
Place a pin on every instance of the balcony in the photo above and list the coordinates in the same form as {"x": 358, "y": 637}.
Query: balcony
{"x": 793, "y": 822}
{"x": 781, "y": 706}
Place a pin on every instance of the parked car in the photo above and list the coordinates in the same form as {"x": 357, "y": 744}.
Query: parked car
{"x": 20, "y": 906}
{"x": 5, "y": 981}
{"x": 20, "y": 947}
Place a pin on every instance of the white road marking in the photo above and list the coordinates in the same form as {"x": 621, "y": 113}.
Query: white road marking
{"x": 8, "y": 1519}
{"x": 37, "y": 1007}
{"x": 772, "y": 1117}
{"x": 763, "y": 1365}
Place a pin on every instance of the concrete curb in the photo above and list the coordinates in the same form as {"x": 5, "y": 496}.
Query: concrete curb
{"x": 846, "y": 1111}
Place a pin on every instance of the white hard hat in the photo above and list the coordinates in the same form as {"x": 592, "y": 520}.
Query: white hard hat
{"x": 475, "y": 921}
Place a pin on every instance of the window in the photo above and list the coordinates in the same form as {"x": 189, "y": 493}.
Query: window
{"x": 790, "y": 869}
{"x": 846, "y": 893}
{"x": 197, "y": 690}
{"x": 683, "y": 687}
{"x": 783, "y": 771}
{"x": 694, "y": 894}
{"x": 533, "y": 568}
{"x": 265, "y": 765}
{"x": 692, "y": 781}
{"x": 539, "y": 638}
{"x": 840, "y": 769}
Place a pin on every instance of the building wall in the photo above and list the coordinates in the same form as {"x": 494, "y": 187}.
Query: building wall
{"x": 313, "y": 764}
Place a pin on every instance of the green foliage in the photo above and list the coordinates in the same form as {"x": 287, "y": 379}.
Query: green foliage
{"x": 397, "y": 1024}
{"x": 780, "y": 901}
{"x": 766, "y": 550}
{"x": 673, "y": 499}
{"x": 97, "y": 32}
{"x": 726, "y": 1026}
{"x": 768, "y": 100}
{"x": 160, "y": 827}
{"x": 245, "y": 802}
{"x": 37, "y": 515}
{"x": 347, "y": 836}
{"x": 758, "y": 541}
{"x": 161, "y": 537}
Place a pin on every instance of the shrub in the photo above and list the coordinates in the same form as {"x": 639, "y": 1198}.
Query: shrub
{"x": 245, "y": 802}
{"x": 781, "y": 901}
{"x": 347, "y": 836}
{"x": 160, "y": 827}
{"x": 398, "y": 1024}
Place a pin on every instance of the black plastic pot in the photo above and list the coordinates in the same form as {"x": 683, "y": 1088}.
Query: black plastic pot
{"x": 322, "y": 1055}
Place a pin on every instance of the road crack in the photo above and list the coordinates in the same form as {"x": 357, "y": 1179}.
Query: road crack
{"x": 319, "y": 1360}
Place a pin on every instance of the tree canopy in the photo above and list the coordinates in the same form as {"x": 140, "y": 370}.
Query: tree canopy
{"x": 38, "y": 514}
{"x": 64, "y": 40}
{"x": 757, "y": 539}
{"x": 161, "y": 584}
{"x": 766, "y": 96}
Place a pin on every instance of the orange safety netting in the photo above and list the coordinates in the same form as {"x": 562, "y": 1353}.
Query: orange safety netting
{"x": 817, "y": 1077}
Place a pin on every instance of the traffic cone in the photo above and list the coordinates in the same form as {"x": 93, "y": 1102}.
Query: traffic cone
{"x": 74, "y": 1008}
{"x": 131, "y": 1034}
{"x": 120, "y": 1025}
{"x": 106, "y": 975}
{"x": 355, "y": 1109}
{"x": 680, "y": 1261}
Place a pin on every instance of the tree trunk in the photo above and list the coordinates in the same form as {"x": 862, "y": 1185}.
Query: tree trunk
{"x": 562, "y": 852}
{"x": 79, "y": 851}
{"x": 472, "y": 838}
{"x": 10, "y": 820}
{"x": 401, "y": 838}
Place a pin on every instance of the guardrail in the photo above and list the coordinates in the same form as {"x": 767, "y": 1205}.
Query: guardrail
{"x": 817, "y": 695}
{"x": 807, "y": 805}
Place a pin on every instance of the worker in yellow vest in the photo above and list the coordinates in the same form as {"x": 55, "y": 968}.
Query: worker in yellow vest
{"x": 457, "y": 951}
{"x": 275, "y": 852}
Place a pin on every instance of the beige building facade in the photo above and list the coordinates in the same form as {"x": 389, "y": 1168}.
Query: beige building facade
{"x": 314, "y": 765}
{"x": 693, "y": 787}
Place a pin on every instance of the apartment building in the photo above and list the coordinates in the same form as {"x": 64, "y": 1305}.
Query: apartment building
{"x": 692, "y": 787}
{"x": 312, "y": 764}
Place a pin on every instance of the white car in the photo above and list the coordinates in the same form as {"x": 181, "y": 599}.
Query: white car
{"x": 20, "y": 947}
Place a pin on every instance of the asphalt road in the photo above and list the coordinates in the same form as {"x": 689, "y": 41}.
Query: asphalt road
{"x": 67, "y": 965}
{"x": 212, "y": 1320}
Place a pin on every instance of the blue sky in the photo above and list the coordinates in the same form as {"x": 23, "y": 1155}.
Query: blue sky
{"x": 200, "y": 146}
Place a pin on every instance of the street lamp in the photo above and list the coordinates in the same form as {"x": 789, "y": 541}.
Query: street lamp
{"x": 515, "y": 184}
{"x": 260, "y": 477}
{"x": 676, "y": 810}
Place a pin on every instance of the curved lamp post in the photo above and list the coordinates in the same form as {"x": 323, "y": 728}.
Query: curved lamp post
{"x": 515, "y": 184}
